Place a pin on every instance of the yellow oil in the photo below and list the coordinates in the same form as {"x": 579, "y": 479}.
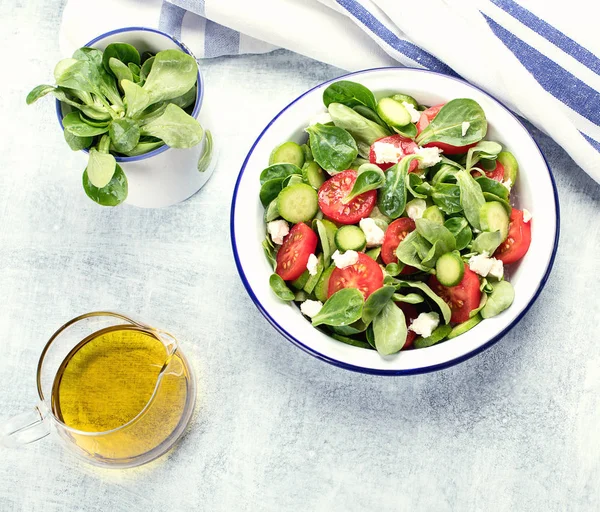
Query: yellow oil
{"x": 122, "y": 387}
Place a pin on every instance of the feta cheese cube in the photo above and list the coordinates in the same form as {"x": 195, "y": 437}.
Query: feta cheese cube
{"x": 373, "y": 233}
{"x": 311, "y": 308}
{"x": 425, "y": 324}
{"x": 311, "y": 265}
{"x": 344, "y": 260}
{"x": 429, "y": 157}
{"x": 278, "y": 229}
{"x": 465, "y": 126}
{"x": 485, "y": 266}
{"x": 387, "y": 153}
{"x": 415, "y": 115}
{"x": 526, "y": 215}
{"x": 415, "y": 208}
{"x": 507, "y": 184}
{"x": 322, "y": 118}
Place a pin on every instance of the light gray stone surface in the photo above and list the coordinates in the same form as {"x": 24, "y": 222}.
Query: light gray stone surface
{"x": 513, "y": 429}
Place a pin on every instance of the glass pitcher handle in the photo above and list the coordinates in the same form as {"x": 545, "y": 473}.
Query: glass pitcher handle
{"x": 25, "y": 428}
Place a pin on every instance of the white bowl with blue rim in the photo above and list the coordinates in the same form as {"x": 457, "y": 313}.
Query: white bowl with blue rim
{"x": 164, "y": 176}
{"x": 534, "y": 190}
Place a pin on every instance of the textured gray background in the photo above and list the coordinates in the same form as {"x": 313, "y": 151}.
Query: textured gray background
{"x": 515, "y": 428}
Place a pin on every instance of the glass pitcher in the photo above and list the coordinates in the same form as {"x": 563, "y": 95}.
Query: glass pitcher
{"x": 78, "y": 402}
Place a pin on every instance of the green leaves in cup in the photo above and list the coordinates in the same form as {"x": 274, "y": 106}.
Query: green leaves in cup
{"x": 124, "y": 134}
{"x": 175, "y": 127}
{"x": 123, "y": 52}
{"x": 101, "y": 168}
{"x": 333, "y": 148}
{"x": 74, "y": 124}
{"x": 447, "y": 126}
{"x": 112, "y": 194}
{"x": 173, "y": 73}
{"x": 344, "y": 307}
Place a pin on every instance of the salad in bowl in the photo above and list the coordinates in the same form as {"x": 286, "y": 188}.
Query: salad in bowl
{"x": 394, "y": 224}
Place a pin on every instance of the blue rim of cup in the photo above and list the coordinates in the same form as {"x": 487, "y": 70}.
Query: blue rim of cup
{"x": 375, "y": 371}
{"x": 199, "y": 89}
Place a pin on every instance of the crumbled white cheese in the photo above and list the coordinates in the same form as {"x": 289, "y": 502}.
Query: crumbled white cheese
{"x": 429, "y": 156}
{"x": 373, "y": 233}
{"x": 344, "y": 260}
{"x": 465, "y": 126}
{"x": 387, "y": 153}
{"x": 425, "y": 324}
{"x": 485, "y": 266}
{"x": 415, "y": 208}
{"x": 415, "y": 115}
{"x": 311, "y": 265}
{"x": 311, "y": 308}
{"x": 278, "y": 229}
{"x": 507, "y": 184}
{"x": 526, "y": 215}
{"x": 322, "y": 118}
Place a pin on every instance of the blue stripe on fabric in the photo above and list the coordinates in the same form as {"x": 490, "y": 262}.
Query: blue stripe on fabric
{"x": 563, "y": 85}
{"x": 171, "y": 19}
{"x": 594, "y": 143}
{"x": 407, "y": 48}
{"x": 220, "y": 40}
{"x": 550, "y": 33}
{"x": 195, "y": 6}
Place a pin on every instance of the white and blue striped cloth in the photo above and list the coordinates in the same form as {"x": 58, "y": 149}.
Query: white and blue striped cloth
{"x": 539, "y": 57}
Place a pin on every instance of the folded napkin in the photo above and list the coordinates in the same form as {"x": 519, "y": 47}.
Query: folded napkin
{"x": 540, "y": 59}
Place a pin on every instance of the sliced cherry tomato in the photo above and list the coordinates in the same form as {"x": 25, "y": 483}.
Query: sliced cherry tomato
{"x": 497, "y": 174}
{"x": 518, "y": 240}
{"x": 410, "y": 313}
{"x": 365, "y": 275}
{"x": 426, "y": 117}
{"x": 293, "y": 254}
{"x": 462, "y": 298}
{"x": 335, "y": 189}
{"x": 408, "y": 147}
{"x": 394, "y": 234}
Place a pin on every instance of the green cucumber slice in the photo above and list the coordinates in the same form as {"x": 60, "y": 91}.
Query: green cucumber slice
{"x": 393, "y": 112}
{"x": 288, "y": 153}
{"x": 298, "y": 203}
{"x": 405, "y": 97}
{"x": 450, "y": 269}
{"x": 511, "y": 167}
{"x": 313, "y": 175}
{"x": 350, "y": 238}
{"x": 374, "y": 253}
{"x": 321, "y": 291}
{"x": 465, "y": 326}
{"x": 300, "y": 282}
{"x": 434, "y": 214}
{"x": 493, "y": 217}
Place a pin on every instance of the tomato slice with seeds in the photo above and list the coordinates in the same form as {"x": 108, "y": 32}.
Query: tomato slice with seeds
{"x": 293, "y": 254}
{"x": 365, "y": 275}
{"x": 496, "y": 174}
{"x": 429, "y": 115}
{"x": 410, "y": 314}
{"x": 462, "y": 298}
{"x": 518, "y": 240}
{"x": 394, "y": 234}
{"x": 408, "y": 147}
{"x": 333, "y": 192}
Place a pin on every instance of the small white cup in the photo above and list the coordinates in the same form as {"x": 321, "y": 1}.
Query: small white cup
{"x": 165, "y": 176}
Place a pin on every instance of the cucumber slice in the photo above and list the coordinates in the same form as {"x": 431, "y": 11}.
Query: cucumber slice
{"x": 300, "y": 282}
{"x": 350, "y": 238}
{"x": 493, "y": 217}
{"x": 434, "y": 214}
{"x": 393, "y": 112}
{"x": 313, "y": 175}
{"x": 465, "y": 326}
{"x": 288, "y": 153}
{"x": 374, "y": 253}
{"x": 271, "y": 213}
{"x": 298, "y": 203}
{"x": 313, "y": 280}
{"x": 405, "y": 97}
{"x": 450, "y": 269}
{"x": 322, "y": 289}
{"x": 511, "y": 167}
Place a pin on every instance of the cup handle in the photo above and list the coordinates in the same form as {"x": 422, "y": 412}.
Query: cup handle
{"x": 25, "y": 428}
